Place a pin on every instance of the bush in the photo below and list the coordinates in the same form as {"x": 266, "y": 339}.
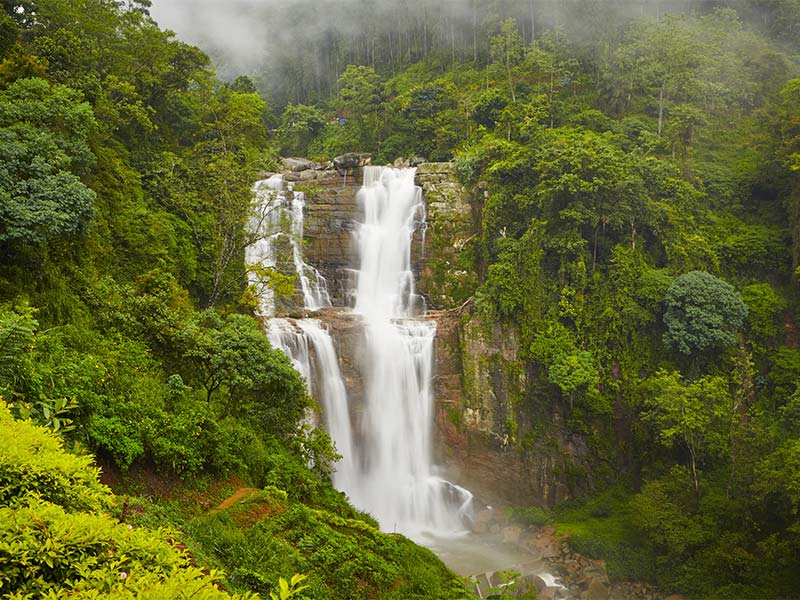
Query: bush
{"x": 47, "y": 551}
{"x": 33, "y": 463}
{"x": 56, "y": 540}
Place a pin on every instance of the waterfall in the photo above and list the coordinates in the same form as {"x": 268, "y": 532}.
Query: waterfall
{"x": 387, "y": 467}
{"x": 398, "y": 483}
{"x": 334, "y": 396}
{"x": 301, "y": 339}
{"x": 273, "y": 208}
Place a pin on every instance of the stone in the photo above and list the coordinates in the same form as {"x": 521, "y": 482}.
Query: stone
{"x": 296, "y": 164}
{"x": 595, "y": 591}
{"x": 308, "y": 175}
{"x": 351, "y": 160}
{"x": 537, "y": 582}
{"x": 548, "y": 593}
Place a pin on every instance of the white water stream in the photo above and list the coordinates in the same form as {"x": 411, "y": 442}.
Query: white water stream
{"x": 277, "y": 204}
{"x": 389, "y": 472}
{"x": 398, "y": 483}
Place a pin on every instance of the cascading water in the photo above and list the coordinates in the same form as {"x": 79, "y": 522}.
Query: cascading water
{"x": 333, "y": 394}
{"x": 387, "y": 466}
{"x": 273, "y": 208}
{"x": 389, "y": 472}
{"x": 397, "y": 482}
{"x": 302, "y": 338}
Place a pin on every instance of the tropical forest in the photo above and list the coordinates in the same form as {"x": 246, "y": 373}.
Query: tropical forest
{"x": 400, "y": 299}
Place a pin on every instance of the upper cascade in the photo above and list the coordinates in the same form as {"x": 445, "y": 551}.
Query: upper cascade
{"x": 277, "y": 203}
{"x": 393, "y": 211}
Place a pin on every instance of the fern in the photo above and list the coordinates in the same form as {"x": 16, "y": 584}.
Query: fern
{"x": 16, "y": 337}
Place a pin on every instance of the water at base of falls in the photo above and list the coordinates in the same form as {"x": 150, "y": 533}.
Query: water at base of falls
{"x": 387, "y": 467}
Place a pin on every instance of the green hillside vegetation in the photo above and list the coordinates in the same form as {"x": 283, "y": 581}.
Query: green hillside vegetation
{"x": 639, "y": 200}
{"x": 127, "y": 330}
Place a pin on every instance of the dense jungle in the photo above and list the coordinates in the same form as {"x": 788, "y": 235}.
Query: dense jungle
{"x": 632, "y": 171}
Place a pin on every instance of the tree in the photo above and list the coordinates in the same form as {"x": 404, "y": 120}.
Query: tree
{"x": 361, "y": 99}
{"x": 43, "y": 148}
{"x": 508, "y": 49}
{"x": 300, "y": 124}
{"x": 587, "y": 183}
{"x": 232, "y": 358}
{"x": 696, "y": 413}
{"x": 702, "y": 313}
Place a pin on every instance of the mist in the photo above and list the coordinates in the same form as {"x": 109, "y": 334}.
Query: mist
{"x": 295, "y": 50}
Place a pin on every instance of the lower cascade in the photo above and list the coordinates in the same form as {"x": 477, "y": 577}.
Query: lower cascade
{"x": 387, "y": 465}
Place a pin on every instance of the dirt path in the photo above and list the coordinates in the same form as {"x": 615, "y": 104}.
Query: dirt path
{"x": 240, "y": 494}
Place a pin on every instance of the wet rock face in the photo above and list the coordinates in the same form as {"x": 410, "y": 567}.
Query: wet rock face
{"x": 499, "y": 433}
{"x": 445, "y": 276}
{"x": 331, "y": 214}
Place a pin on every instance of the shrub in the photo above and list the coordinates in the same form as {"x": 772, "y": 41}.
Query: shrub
{"x": 33, "y": 463}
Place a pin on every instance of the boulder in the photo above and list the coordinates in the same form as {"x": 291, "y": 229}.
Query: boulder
{"x": 595, "y": 591}
{"x": 296, "y": 164}
{"x": 308, "y": 175}
{"x": 537, "y": 582}
{"x": 351, "y": 160}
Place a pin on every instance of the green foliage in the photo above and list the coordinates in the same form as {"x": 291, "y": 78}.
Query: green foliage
{"x": 56, "y": 539}
{"x": 33, "y": 464}
{"x": 16, "y": 338}
{"x": 260, "y": 383}
{"x": 600, "y": 160}
{"x": 43, "y": 146}
{"x": 765, "y": 308}
{"x": 511, "y": 586}
{"x": 361, "y": 101}
{"x": 568, "y": 367}
{"x": 49, "y": 552}
{"x": 702, "y": 313}
{"x": 343, "y": 557}
{"x": 602, "y": 527}
{"x": 300, "y": 124}
{"x": 289, "y": 589}
{"x": 697, "y": 413}
{"x": 530, "y": 515}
